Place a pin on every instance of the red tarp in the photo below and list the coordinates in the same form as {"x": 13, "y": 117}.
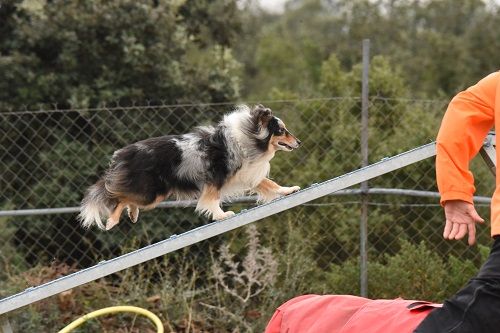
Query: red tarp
{"x": 348, "y": 314}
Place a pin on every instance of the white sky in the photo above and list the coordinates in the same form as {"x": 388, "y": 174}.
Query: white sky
{"x": 277, "y": 6}
{"x": 273, "y": 6}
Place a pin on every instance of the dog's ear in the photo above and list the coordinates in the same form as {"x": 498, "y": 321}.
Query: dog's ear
{"x": 262, "y": 113}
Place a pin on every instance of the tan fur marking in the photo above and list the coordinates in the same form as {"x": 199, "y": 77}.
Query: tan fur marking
{"x": 273, "y": 143}
{"x": 133, "y": 212}
{"x": 267, "y": 190}
{"x": 209, "y": 203}
{"x": 286, "y": 138}
{"x": 114, "y": 218}
{"x": 209, "y": 194}
{"x": 117, "y": 212}
{"x": 158, "y": 199}
{"x": 268, "y": 185}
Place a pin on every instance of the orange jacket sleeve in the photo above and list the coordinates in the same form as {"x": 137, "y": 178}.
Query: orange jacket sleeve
{"x": 469, "y": 117}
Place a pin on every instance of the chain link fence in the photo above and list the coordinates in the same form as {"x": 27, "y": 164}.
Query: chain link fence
{"x": 230, "y": 283}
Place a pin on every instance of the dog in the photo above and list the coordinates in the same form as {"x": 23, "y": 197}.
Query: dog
{"x": 210, "y": 164}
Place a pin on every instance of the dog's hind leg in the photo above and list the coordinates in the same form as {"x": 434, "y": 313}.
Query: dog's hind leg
{"x": 114, "y": 218}
{"x": 133, "y": 212}
{"x": 269, "y": 190}
{"x": 209, "y": 203}
{"x": 159, "y": 198}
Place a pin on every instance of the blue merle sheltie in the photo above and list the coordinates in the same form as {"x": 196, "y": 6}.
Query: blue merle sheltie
{"x": 210, "y": 164}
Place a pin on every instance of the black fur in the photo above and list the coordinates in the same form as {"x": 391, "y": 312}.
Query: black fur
{"x": 146, "y": 170}
{"x": 217, "y": 153}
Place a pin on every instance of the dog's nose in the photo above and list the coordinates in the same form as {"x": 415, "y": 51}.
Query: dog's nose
{"x": 299, "y": 142}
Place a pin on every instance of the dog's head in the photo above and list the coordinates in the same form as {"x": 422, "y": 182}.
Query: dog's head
{"x": 277, "y": 136}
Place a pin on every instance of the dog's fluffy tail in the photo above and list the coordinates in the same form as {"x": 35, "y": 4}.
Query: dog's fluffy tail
{"x": 96, "y": 203}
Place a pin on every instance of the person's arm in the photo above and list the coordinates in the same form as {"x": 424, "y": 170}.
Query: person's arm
{"x": 469, "y": 117}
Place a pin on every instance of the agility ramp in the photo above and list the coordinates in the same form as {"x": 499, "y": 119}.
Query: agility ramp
{"x": 245, "y": 217}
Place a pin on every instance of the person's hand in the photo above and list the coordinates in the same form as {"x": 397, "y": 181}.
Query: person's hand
{"x": 461, "y": 218}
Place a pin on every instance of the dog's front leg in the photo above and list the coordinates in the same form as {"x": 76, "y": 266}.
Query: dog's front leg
{"x": 209, "y": 203}
{"x": 269, "y": 190}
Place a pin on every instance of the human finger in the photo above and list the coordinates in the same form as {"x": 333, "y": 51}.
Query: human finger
{"x": 475, "y": 216}
{"x": 454, "y": 230}
{"x": 462, "y": 230}
{"x": 447, "y": 229}
{"x": 472, "y": 233}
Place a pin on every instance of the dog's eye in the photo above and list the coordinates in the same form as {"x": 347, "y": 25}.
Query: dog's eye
{"x": 280, "y": 131}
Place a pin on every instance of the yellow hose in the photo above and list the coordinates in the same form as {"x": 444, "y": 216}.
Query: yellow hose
{"x": 113, "y": 309}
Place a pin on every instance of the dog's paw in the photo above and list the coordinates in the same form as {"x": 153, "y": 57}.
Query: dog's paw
{"x": 133, "y": 214}
{"x": 267, "y": 197}
{"x": 111, "y": 223}
{"x": 223, "y": 215}
{"x": 288, "y": 190}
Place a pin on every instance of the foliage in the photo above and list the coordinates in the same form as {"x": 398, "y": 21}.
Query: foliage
{"x": 415, "y": 272}
{"x": 309, "y": 249}
{"x": 87, "y": 54}
{"x": 241, "y": 284}
{"x": 441, "y": 45}
{"x": 119, "y": 50}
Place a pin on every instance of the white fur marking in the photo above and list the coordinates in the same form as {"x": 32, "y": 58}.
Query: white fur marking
{"x": 236, "y": 122}
{"x": 193, "y": 160}
{"x": 90, "y": 213}
{"x": 246, "y": 179}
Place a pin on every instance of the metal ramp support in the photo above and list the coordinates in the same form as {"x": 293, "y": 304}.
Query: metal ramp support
{"x": 488, "y": 152}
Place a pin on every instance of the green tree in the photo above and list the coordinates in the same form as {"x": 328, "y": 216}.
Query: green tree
{"x": 439, "y": 45}
{"x": 119, "y": 50}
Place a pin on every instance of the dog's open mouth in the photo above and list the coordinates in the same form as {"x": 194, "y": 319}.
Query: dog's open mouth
{"x": 288, "y": 147}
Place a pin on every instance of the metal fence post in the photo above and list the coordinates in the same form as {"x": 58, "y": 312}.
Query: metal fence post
{"x": 364, "y": 162}
{"x": 488, "y": 152}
